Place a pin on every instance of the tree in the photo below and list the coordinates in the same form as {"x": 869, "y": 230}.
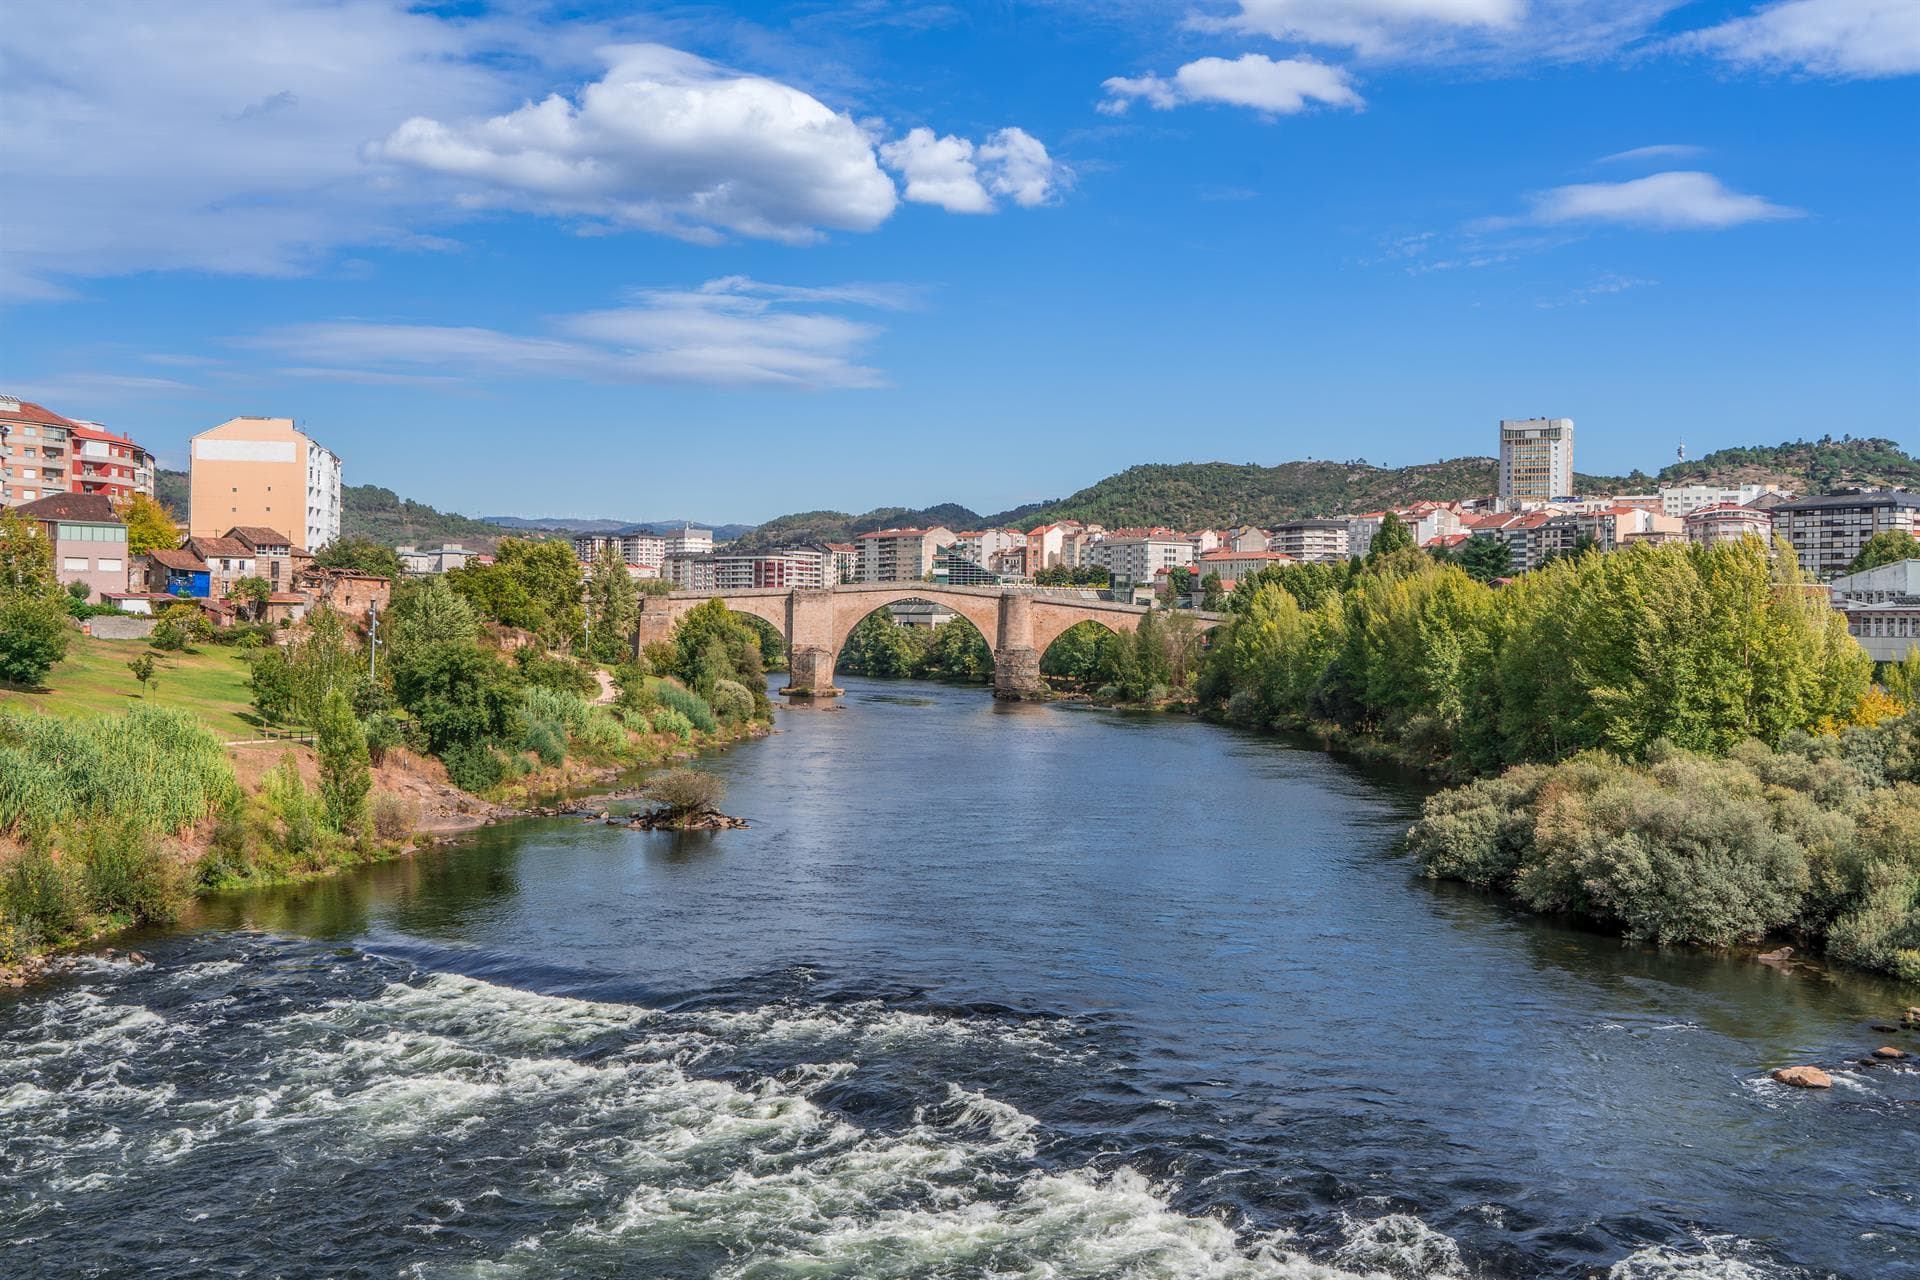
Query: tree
{"x": 1214, "y": 595}
{"x": 534, "y": 586}
{"x": 613, "y": 604}
{"x": 683, "y": 794}
{"x": 462, "y": 696}
{"x": 359, "y": 554}
{"x": 180, "y": 625}
{"x": 1179, "y": 582}
{"x": 1484, "y": 559}
{"x": 345, "y": 778}
{"x": 1889, "y": 546}
{"x": 426, "y": 612}
{"x": 711, "y": 644}
{"x": 34, "y": 635}
{"x": 290, "y": 682}
{"x": 142, "y": 668}
{"x": 149, "y": 527}
{"x": 1392, "y": 536}
{"x": 252, "y": 594}
{"x": 1902, "y": 678}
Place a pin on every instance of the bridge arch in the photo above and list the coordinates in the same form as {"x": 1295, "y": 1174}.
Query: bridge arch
{"x": 853, "y": 608}
{"x": 968, "y": 620}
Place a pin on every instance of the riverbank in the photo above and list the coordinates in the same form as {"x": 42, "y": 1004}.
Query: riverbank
{"x": 67, "y": 890}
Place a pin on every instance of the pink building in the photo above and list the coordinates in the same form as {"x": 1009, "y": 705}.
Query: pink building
{"x": 1727, "y": 522}
{"x": 89, "y": 540}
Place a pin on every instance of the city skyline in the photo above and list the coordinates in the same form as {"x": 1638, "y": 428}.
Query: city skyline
{"x": 900, "y": 242}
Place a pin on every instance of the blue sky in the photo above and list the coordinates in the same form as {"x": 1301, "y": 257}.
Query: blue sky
{"x": 729, "y": 261}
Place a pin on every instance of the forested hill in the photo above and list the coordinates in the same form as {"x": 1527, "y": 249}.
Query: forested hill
{"x": 370, "y": 511}
{"x": 1195, "y": 495}
{"x": 839, "y": 526}
{"x": 1806, "y": 465}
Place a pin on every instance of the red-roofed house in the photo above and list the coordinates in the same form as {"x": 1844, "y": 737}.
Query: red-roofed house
{"x": 108, "y": 464}
{"x": 33, "y": 451}
{"x": 89, "y": 540}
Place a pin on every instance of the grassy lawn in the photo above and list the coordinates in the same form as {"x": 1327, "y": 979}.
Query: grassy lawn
{"x": 210, "y": 681}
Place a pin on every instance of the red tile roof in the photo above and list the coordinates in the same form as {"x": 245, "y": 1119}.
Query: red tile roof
{"x": 37, "y": 415}
{"x": 181, "y": 559}
{"x": 257, "y": 536}
{"x": 94, "y": 508}
{"x": 223, "y": 548}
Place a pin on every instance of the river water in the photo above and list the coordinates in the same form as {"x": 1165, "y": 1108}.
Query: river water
{"x": 984, "y": 991}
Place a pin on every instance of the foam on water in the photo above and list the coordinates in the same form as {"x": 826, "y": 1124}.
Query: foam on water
{"x": 629, "y": 1138}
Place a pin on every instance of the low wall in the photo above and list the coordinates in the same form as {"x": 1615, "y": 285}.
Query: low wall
{"x": 109, "y": 628}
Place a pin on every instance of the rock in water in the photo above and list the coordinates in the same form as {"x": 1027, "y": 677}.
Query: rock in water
{"x": 1889, "y": 1052}
{"x": 1781, "y": 956}
{"x": 1804, "y": 1077}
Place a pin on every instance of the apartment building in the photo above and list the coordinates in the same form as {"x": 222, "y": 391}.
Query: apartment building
{"x": 89, "y": 540}
{"x": 846, "y": 561}
{"x": 34, "y": 452}
{"x": 264, "y": 472}
{"x": 1046, "y": 545}
{"x": 686, "y": 540}
{"x": 1135, "y": 557}
{"x": 426, "y": 560}
{"x": 787, "y": 568}
{"x": 902, "y": 555}
{"x": 1680, "y": 500}
{"x": 1235, "y": 565}
{"x": 1827, "y": 532}
{"x": 1536, "y": 459}
{"x": 1888, "y": 632}
{"x": 1308, "y": 540}
{"x": 106, "y": 463}
{"x": 982, "y": 545}
{"x": 1726, "y": 522}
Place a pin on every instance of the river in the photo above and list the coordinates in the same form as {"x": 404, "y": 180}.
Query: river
{"x": 984, "y": 991}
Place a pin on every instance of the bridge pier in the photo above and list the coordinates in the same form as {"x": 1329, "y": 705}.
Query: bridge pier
{"x": 1016, "y": 675}
{"x": 1016, "y": 660}
{"x": 810, "y": 673}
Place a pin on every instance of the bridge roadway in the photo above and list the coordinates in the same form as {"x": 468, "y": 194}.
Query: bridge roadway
{"x": 1019, "y": 622}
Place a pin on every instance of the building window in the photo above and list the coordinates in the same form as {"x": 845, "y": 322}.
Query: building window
{"x": 74, "y": 564}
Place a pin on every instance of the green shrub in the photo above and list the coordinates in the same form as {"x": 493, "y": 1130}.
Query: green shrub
{"x": 545, "y": 739}
{"x": 683, "y": 793}
{"x": 602, "y": 734}
{"x": 473, "y": 766}
{"x": 667, "y": 720}
{"x": 731, "y": 701}
{"x": 41, "y": 894}
{"x": 126, "y": 874}
{"x": 634, "y": 718}
{"x": 569, "y": 711}
{"x": 293, "y": 811}
{"x": 688, "y": 704}
{"x": 556, "y": 673}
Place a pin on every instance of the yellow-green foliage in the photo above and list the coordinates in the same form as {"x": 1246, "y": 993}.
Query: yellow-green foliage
{"x": 1702, "y": 647}
{"x": 154, "y": 768}
{"x": 1820, "y": 839}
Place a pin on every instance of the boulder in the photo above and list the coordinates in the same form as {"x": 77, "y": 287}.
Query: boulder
{"x": 1913, "y": 1017}
{"x": 1804, "y": 1077}
{"x": 1889, "y": 1053}
{"x": 1781, "y": 956}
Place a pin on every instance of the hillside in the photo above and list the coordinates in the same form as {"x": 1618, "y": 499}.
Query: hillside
{"x": 839, "y": 526}
{"x": 370, "y": 511}
{"x": 1808, "y": 465}
{"x": 1194, "y": 495}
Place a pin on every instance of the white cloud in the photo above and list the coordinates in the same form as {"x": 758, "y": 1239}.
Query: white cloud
{"x": 938, "y": 171}
{"x": 732, "y": 332}
{"x": 1272, "y": 87}
{"x": 1826, "y": 37}
{"x": 669, "y": 142}
{"x": 1498, "y": 34}
{"x": 1370, "y": 27}
{"x": 1658, "y": 151}
{"x": 1018, "y": 167}
{"x": 963, "y": 178}
{"x": 1679, "y": 200}
{"x": 260, "y": 138}
{"x": 1605, "y": 286}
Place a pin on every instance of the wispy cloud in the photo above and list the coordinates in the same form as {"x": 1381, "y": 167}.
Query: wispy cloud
{"x": 1675, "y": 201}
{"x": 1658, "y": 151}
{"x": 731, "y": 332}
{"x": 1839, "y": 38}
{"x": 86, "y": 387}
{"x": 1491, "y": 33}
{"x": 1605, "y": 286}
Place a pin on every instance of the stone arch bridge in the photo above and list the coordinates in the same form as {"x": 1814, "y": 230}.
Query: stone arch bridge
{"x": 1018, "y": 622}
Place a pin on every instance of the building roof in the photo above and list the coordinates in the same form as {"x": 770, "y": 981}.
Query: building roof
{"x": 1311, "y": 524}
{"x": 841, "y": 547}
{"x": 1856, "y": 498}
{"x": 1211, "y": 557}
{"x": 94, "y": 508}
{"x": 94, "y": 431}
{"x": 178, "y": 558}
{"x": 16, "y": 410}
{"x": 257, "y": 536}
{"x": 222, "y": 548}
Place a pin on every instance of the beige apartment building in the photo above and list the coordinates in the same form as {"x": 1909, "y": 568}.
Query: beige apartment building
{"x": 901, "y": 555}
{"x": 263, "y": 472}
